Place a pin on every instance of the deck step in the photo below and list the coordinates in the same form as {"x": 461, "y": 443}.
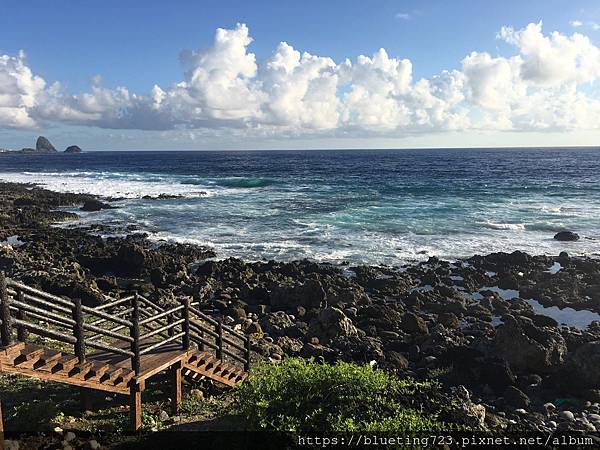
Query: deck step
{"x": 80, "y": 370}
{"x": 112, "y": 376}
{"x": 12, "y": 350}
{"x": 66, "y": 363}
{"x": 48, "y": 360}
{"x": 97, "y": 372}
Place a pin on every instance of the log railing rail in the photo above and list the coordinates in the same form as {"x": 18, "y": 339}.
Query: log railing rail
{"x": 119, "y": 326}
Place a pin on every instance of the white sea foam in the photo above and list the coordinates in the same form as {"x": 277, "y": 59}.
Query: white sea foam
{"x": 504, "y": 226}
{"x": 113, "y": 185}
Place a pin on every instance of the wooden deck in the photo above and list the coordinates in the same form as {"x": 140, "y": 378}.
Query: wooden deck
{"x": 151, "y": 363}
{"x": 134, "y": 340}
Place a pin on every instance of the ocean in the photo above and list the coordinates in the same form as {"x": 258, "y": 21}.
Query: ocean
{"x": 361, "y": 206}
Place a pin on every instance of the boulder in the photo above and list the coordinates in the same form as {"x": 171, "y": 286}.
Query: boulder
{"x": 73, "y": 149}
{"x": 93, "y": 205}
{"x": 513, "y": 396}
{"x": 587, "y": 361}
{"x": 529, "y": 348}
{"x": 449, "y": 320}
{"x": 566, "y": 236}
{"x": 43, "y": 145}
{"x": 310, "y": 350}
{"x": 290, "y": 346}
{"x": 411, "y": 323}
{"x": 331, "y": 322}
{"x": 276, "y": 324}
{"x": 309, "y": 294}
{"x": 362, "y": 349}
{"x": 395, "y": 361}
{"x": 130, "y": 259}
{"x": 254, "y": 328}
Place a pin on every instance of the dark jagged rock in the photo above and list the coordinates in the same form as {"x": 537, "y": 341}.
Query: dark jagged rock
{"x": 527, "y": 347}
{"x": 43, "y": 145}
{"x": 73, "y": 149}
{"x": 566, "y": 236}
{"x": 95, "y": 205}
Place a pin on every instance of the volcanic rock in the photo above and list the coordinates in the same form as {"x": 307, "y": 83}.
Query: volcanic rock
{"x": 94, "y": 205}
{"x": 529, "y": 348}
{"x": 331, "y": 322}
{"x": 566, "y": 236}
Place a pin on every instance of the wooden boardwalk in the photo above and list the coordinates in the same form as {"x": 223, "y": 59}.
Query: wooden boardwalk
{"x": 132, "y": 339}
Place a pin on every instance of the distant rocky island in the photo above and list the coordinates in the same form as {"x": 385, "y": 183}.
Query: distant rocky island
{"x": 42, "y": 146}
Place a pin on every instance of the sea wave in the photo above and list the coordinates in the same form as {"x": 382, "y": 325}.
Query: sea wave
{"x": 98, "y": 184}
{"x": 503, "y": 226}
{"x": 546, "y": 226}
{"x": 245, "y": 182}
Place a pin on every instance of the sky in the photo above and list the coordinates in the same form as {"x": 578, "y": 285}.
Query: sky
{"x": 284, "y": 74}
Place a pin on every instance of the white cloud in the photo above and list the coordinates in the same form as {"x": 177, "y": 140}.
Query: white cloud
{"x": 19, "y": 92}
{"x": 544, "y": 86}
{"x": 556, "y": 58}
{"x": 576, "y": 23}
{"x": 403, "y": 16}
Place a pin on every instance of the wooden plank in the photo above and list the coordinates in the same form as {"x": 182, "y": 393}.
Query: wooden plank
{"x": 111, "y": 376}
{"x": 12, "y": 349}
{"x": 123, "y": 379}
{"x": 30, "y": 352}
{"x": 97, "y": 372}
{"x": 50, "y": 356}
{"x": 58, "y": 377}
{"x": 65, "y": 363}
{"x": 80, "y": 370}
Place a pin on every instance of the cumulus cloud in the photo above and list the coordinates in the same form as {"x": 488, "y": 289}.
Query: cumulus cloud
{"x": 19, "y": 92}
{"x": 542, "y": 86}
{"x": 576, "y": 23}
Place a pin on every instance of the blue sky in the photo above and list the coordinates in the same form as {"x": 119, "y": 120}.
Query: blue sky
{"x": 137, "y": 45}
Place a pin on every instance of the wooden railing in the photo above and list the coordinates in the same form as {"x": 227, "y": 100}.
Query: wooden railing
{"x": 118, "y": 326}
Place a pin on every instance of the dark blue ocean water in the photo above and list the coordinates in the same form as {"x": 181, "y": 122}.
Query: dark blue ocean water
{"x": 375, "y": 206}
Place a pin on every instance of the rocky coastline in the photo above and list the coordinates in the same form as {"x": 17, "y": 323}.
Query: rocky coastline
{"x": 470, "y": 322}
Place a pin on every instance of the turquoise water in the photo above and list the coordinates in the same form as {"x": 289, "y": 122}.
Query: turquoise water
{"x": 362, "y": 206}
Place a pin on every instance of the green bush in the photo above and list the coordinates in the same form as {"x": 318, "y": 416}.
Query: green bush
{"x": 301, "y": 396}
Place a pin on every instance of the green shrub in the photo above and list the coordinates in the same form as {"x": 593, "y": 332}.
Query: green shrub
{"x": 301, "y": 396}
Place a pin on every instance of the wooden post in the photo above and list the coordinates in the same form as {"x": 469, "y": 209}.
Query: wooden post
{"x": 78, "y": 330}
{"x": 85, "y": 398}
{"x": 5, "y": 331}
{"x": 170, "y": 331}
{"x": 135, "y": 334}
{"x": 135, "y": 406}
{"x": 1, "y": 429}
{"x": 186, "y": 323}
{"x": 220, "y": 340}
{"x": 247, "y": 353}
{"x": 176, "y": 387}
{"x": 21, "y": 331}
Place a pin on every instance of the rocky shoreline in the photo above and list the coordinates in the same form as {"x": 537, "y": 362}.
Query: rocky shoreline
{"x": 475, "y": 323}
